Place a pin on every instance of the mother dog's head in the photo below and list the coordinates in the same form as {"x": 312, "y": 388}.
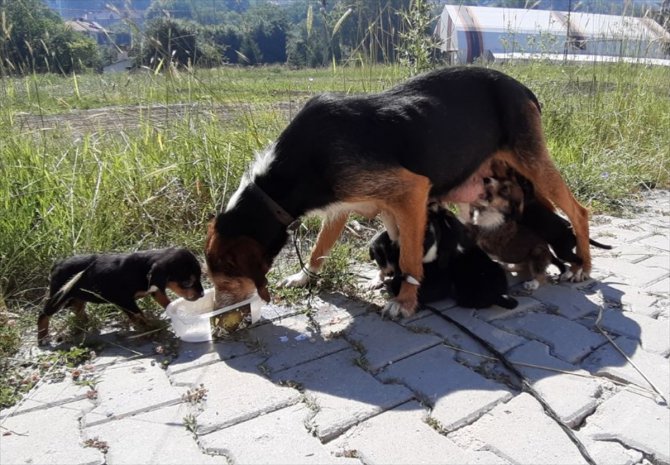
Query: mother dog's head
{"x": 236, "y": 265}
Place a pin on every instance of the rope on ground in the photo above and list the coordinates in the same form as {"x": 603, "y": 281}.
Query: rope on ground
{"x": 660, "y": 399}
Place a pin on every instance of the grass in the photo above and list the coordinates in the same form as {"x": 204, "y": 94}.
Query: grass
{"x": 154, "y": 179}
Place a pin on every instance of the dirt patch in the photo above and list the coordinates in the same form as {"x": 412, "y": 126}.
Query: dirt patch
{"x": 126, "y": 119}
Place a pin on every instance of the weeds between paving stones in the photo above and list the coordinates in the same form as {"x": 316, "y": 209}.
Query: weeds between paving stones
{"x": 96, "y": 443}
{"x": 196, "y": 395}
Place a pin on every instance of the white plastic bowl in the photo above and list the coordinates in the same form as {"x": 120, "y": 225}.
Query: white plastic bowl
{"x": 194, "y": 321}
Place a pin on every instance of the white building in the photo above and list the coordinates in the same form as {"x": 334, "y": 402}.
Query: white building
{"x": 468, "y": 33}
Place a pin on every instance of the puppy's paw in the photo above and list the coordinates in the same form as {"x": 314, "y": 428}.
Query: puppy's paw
{"x": 531, "y": 285}
{"x": 566, "y": 276}
{"x": 300, "y": 279}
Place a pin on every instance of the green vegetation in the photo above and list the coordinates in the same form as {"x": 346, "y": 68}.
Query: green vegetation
{"x": 35, "y": 39}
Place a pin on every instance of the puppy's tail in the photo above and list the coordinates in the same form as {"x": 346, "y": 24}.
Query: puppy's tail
{"x": 61, "y": 296}
{"x": 599, "y": 244}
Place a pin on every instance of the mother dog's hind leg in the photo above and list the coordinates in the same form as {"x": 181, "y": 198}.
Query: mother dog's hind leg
{"x": 410, "y": 212}
{"x": 331, "y": 228}
{"x": 530, "y": 157}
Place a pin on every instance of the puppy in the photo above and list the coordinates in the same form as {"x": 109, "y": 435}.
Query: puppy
{"x": 552, "y": 228}
{"x": 385, "y": 252}
{"x": 542, "y": 220}
{"x": 500, "y": 234}
{"x": 387, "y": 153}
{"x": 120, "y": 279}
{"x": 454, "y": 266}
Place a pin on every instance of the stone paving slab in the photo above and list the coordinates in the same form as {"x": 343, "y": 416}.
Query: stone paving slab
{"x": 455, "y": 338}
{"x": 48, "y": 436}
{"x": 293, "y": 340}
{"x": 566, "y": 301}
{"x": 338, "y": 405}
{"x": 583, "y": 389}
{"x": 635, "y": 421}
{"x": 520, "y": 432}
{"x": 567, "y": 339}
{"x": 193, "y": 355}
{"x": 500, "y": 339}
{"x": 608, "y": 361}
{"x": 383, "y": 341}
{"x": 278, "y": 437}
{"x": 456, "y": 394}
{"x": 609, "y": 452}
{"x": 236, "y": 391}
{"x": 128, "y": 388}
{"x": 636, "y": 274}
{"x": 402, "y": 436}
{"x": 629, "y": 298}
{"x": 157, "y": 437}
{"x": 50, "y": 394}
{"x": 654, "y": 335}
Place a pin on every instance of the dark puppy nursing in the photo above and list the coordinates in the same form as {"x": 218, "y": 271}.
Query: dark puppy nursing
{"x": 551, "y": 227}
{"x": 120, "y": 279}
{"x": 454, "y": 266}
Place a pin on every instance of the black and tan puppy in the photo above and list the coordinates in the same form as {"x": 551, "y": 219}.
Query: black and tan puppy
{"x": 120, "y": 279}
{"x": 551, "y": 227}
{"x": 453, "y": 265}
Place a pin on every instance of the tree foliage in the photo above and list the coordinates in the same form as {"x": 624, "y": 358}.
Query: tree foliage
{"x": 35, "y": 39}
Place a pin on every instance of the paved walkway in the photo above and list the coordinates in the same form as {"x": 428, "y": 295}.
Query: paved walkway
{"x": 342, "y": 385}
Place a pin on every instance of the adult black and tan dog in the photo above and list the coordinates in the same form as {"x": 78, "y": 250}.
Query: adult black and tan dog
{"x": 120, "y": 279}
{"x": 383, "y": 153}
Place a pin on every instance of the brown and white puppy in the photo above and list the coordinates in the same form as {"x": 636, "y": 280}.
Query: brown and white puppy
{"x": 388, "y": 152}
{"x": 120, "y": 279}
{"x": 543, "y": 220}
{"x": 499, "y": 233}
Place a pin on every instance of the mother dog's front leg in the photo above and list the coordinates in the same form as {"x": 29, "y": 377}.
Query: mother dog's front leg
{"x": 331, "y": 228}
{"x": 410, "y": 213}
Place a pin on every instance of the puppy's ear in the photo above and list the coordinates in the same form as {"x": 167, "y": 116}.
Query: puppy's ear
{"x": 157, "y": 276}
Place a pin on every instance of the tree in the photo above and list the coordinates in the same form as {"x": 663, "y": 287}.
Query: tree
{"x": 35, "y": 39}
{"x": 417, "y": 47}
{"x": 171, "y": 42}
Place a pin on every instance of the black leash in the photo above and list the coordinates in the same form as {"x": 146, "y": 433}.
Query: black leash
{"x": 293, "y": 229}
{"x": 525, "y": 384}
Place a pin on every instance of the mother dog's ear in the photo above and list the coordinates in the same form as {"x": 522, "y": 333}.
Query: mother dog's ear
{"x": 250, "y": 262}
{"x": 237, "y": 257}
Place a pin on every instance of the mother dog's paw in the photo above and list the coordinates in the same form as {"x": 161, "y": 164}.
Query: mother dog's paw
{"x": 298, "y": 279}
{"x": 575, "y": 276}
{"x": 396, "y": 309}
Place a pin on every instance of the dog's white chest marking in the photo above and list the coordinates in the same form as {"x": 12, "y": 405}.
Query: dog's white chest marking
{"x": 431, "y": 254}
{"x": 489, "y": 219}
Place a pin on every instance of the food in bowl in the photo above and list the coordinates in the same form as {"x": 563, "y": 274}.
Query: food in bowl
{"x": 200, "y": 321}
